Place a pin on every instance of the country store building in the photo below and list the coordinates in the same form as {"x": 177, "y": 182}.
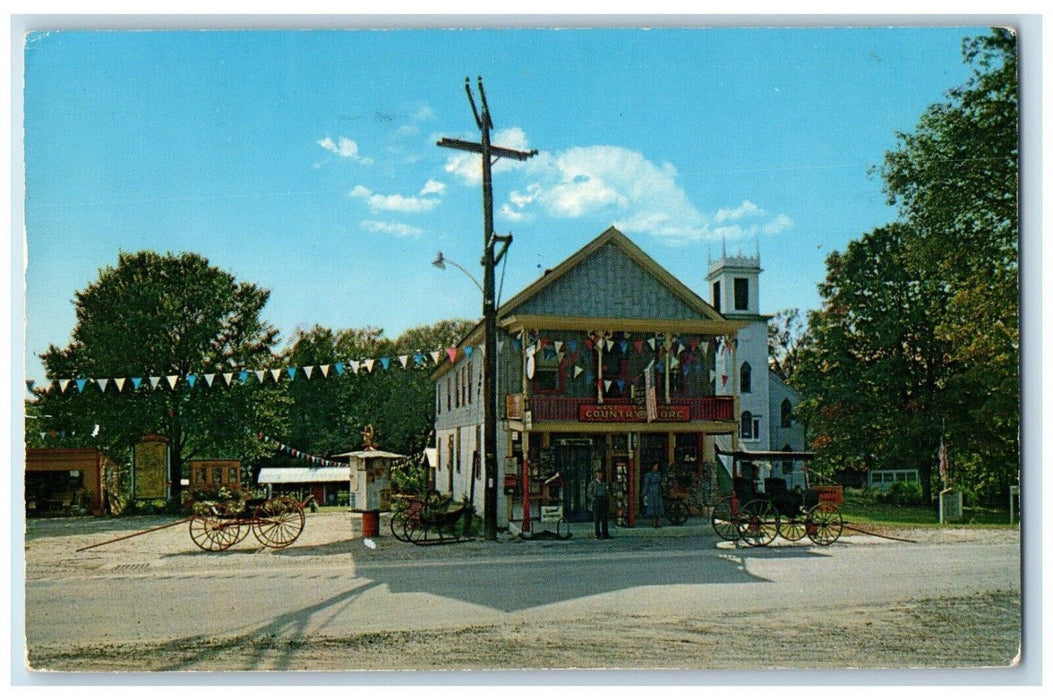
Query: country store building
{"x": 580, "y": 351}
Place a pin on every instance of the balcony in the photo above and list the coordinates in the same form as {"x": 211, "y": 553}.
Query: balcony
{"x": 563, "y": 408}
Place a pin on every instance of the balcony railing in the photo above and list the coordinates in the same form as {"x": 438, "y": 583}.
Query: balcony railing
{"x": 565, "y": 408}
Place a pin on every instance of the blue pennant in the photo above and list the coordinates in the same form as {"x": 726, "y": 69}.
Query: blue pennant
{"x": 190, "y": 379}
{"x": 291, "y": 371}
{"x": 80, "y": 384}
{"x": 243, "y": 375}
{"x": 419, "y": 359}
{"x": 468, "y": 349}
{"x": 384, "y": 362}
{"x": 136, "y": 381}
{"x": 339, "y": 368}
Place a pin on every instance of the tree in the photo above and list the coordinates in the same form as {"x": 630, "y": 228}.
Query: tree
{"x": 787, "y": 337}
{"x": 917, "y": 339}
{"x": 161, "y": 316}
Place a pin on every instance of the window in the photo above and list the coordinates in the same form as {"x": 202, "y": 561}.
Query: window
{"x": 616, "y": 384}
{"x": 457, "y": 452}
{"x": 787, "y": 464}
{"x": 548, "y": 371}
{"x": 749, "y": 426}
{"x": 786, "y": 414}
{"x": 746, "y": 378}
{"x": 469, "y": 382}
{"x": 742, "y": 294}
{"x": 716, "y": 295}
{"x": 449, "y": 392}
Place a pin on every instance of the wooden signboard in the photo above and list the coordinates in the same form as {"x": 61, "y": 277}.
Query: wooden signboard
{"x": 150, "y": 470}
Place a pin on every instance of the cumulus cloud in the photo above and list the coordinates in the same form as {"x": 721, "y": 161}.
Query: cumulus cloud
{"x": 345, "y": 148}
{"x": 393, "y": 202}
{"x": 745, "y": 209}
{"x": 391, "y": 228}
{"x": 432, "y": 187}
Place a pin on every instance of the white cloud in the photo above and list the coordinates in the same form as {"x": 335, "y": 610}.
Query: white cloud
{"x": 345, "y": 148}
{"x": 745, "y": 209}
{"x": 393, "y": 202}
{"x": 467, "y": 165}
{"x": 433, "y": 187}
{"x": 780, "y": 223}
{"x": 390, "y": 228}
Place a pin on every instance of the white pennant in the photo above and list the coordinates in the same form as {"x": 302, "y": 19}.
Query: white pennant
{"x": 354, "y": 366}
{"x": 173, "y": 379}
{"x": 705, "y": 347}
{"x": 308, "y": 369}
{"x": 260, "y": 374}
{"x": 228, "y": 377}
{"x": 404, "y": 359}
{"x": 154, "y": 381}
{"x": 607, "y": 384}
{"x": 435, "y": 355}
{"x": 209, "y": 378}
{"x": 325, "y": 371}
{"x": 500, "y": 346}
{"x": 559, "y": 346}
{"x": 276, "y": 375}
{"x": 577, "y": 371}
{"x": 650, "y": 341}
{"x": 63, "y": 383}
{"x": 120, "y": 383}
{"x": 102, "y": 383}
{"x": 369, "y": 365}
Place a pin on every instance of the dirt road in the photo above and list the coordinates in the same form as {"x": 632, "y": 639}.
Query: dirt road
{"x": 668, "y": 599}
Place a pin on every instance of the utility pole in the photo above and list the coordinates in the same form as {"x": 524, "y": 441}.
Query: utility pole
{"x": 490, "y": 154}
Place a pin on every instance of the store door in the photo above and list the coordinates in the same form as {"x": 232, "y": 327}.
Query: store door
{"x": 654, "y": 448}
{"x": 575, "y": 463}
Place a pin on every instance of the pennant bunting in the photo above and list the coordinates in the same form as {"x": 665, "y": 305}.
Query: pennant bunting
{"x": 468, "y": 350}
{"x": 276, "y": 374}
{"x": 209, "y": 379}
{"x": 339, "y": 369}
{"x": 63, "y": 383}
{"x": 308, "y": 370}
{"x": 385, "y": 362}
{"x": 325, "y": 371}
{"x": 120, "y": 383}
{"x": 368, "y": 364}
{"x": 228, "y": 377}
{"x": 190, "y": 379}
{"x": 452, "y": 354}
{"x": 173, "y": 379}
{"x": 29, "y": 385}
{"x": 354, "y": 366}
{"x": 136, "y": 381}
{"x": 260, "y": 374}
{"x": 80, "y": 385}
{"x": 403, "y": 360}
{"x": 435, "y": 355}
{"x": 102, "y": 384}
{"x": 577, "y": 371}
{"x": 243, "y": 375}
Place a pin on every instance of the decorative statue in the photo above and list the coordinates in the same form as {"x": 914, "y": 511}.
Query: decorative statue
{"x": 367, "y": 438}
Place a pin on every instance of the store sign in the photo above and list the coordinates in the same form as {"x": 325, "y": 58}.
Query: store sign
{"x": 514, "y": 406}
{"x": 627, "y": 413}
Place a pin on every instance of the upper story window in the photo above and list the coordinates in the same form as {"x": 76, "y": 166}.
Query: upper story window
{"x": 742, "y": 294}
{"x": 548, "y": 371}
{"x": 749, "y": 426}
{"x": 615, "y": 353}
{"x": 716, "y": 295}
{"x": 786, "y": 414}
{"x": 746, "y": 378}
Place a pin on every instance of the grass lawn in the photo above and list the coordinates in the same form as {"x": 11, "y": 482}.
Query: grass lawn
{"x": 882, "y": 513}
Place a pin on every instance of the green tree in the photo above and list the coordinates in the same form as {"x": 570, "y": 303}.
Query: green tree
{"x": 161, "y": 316}
{"x": 918, "y": 334}
{"x": 787, "y": 337}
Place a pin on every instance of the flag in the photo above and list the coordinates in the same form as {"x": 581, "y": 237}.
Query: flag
{"x": 651, "y": 399}
{"x": 943, "y": 462}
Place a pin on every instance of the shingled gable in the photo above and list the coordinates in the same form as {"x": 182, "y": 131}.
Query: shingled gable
{"x": 610, "y": 278}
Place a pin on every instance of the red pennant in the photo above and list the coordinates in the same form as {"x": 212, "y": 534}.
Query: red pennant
{"x": 639, "y": 345}
{"x": 588, "y": 343}
{"x": 452, "y": 353}
{"x": 694, "y": 344}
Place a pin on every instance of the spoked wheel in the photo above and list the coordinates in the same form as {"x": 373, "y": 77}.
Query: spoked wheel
{"x": 824, "y": 524}
{"x": 416, "y": 532}
{"x": 676, "y": 512}
{"x": 278, "y": 522}
{"x": 398, "y": 526}
{"x": 792, "y": 529}
{"x": 758, "y": 523}
{"x": 215, "y": 528}
{"x": 723, "y": 522}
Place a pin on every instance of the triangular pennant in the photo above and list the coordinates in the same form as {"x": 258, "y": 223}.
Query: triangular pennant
{"x": 80, "y": 385}
{"x": 260, "y": 374}
{"x": 325, "y": 371}
{"x": 577, "y": 371}
{"x": 572, "y": 345}
{"x": 190, "y": 379}
{"x": 136, "y": 381}
{"x": 155, "y": 382}
{"x": 638, "y": 344}
{"x": 650, "y": 341}
{"x": 119, "y": 381}
{"x": 418, "y": 359}
{"x": 468, "y": 350}
{"x": 308, "y": 370}
{"x": 368, "y": 364}
{"x": 102, "y": 383}
{"x": 705, "y": 347}
{"x": 452, "y": 354}
{"x": 724, "y": 378}
{"x": 209, "y": 378}
{"x": 694, "y": 344}
{"x": 620, "y": 383}
{"x": 608, "y": 344}
{"x": 500, "y": 346}
{"x": 173, "y": 379}
{"x": 403, "y": 360}
{"x": 63, "y": 383}
{"x": 712, "y": 375}
{"x": 339, "y": 368}
{"x": 607, "y": 384}
{"x": 385, "y": 362}
{"x": 243, "y": 375}
{"x": 559, "y": 345}
{"x": 355, "y": 364}
{"x": 291, "y": 371}
{"x": 228, "y": 377}
{"x": 624, "y": 346}
{"x": 276, "y": 375}
{"x": 435, "y": 355}
{"x": 29, "y": 385}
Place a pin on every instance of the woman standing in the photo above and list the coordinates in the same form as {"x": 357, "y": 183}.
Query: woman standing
{"x": 652, "y": 495}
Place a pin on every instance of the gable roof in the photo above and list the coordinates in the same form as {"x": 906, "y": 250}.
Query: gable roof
{"x": 645, "y": 270}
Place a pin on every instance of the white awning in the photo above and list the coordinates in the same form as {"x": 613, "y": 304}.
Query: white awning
{"x": 303, "y": 475}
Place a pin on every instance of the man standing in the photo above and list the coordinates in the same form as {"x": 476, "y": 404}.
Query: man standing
{"x": 601, "y": 505}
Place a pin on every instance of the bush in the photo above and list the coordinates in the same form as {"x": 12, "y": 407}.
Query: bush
{"x": 903, "y": 493}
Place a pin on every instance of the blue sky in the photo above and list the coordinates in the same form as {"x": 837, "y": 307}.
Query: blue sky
{"x": 306, "y": 161}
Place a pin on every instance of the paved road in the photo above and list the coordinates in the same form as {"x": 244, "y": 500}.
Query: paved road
{"x": 330, "y": 587}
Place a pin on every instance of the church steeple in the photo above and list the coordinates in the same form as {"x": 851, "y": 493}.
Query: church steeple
{"x": 735, "y": 283}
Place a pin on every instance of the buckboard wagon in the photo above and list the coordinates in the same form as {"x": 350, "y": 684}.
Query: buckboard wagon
{"x": 276, "y": 522}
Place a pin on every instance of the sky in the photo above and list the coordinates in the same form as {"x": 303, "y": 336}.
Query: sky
{"x": 306, "y": 161}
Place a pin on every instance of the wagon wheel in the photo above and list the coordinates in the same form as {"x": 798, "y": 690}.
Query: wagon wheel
{"x": 562, "y": 529}
{"x": 416, "y": 531}
{"x": 398, "y": 526}
{"x": 824, "y": 524}
{"x": 723, "y": 521}
{"x": 792, "y": 529}
{"x": 758, "y": 523}
{"x": 676, "y": 512}
{"x": 215, "y": 528}
{"x": 278, "y": 522}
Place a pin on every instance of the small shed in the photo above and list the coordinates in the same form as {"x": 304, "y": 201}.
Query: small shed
{"x": 59, "y": 480}
{"x": 328, "y": 485}
{"x": 370, "y": 478}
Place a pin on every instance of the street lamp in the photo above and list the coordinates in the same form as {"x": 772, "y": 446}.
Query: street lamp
{"x": 441, "y": 261}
